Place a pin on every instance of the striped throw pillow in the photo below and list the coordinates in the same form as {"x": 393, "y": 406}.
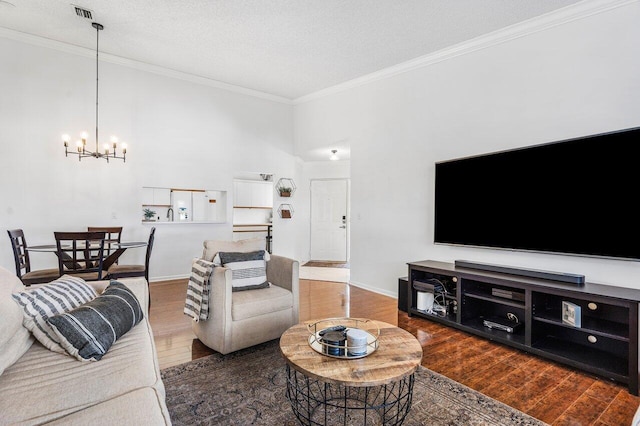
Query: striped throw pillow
{"x": 59, "y": 296}
{"x": 249, "y": 270}
{"x": 88, "y": 331}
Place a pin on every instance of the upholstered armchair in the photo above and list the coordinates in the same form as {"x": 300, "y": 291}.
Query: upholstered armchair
{"x": 240, "y": 319}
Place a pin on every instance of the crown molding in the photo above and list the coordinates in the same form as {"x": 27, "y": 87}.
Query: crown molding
{"x": 544, "y": 22}
{"x": 141, "y": 66}
{"x": 559, "y": 17}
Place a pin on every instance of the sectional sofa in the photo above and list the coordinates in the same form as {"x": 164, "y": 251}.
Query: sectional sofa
{"x": 40, "y": 386}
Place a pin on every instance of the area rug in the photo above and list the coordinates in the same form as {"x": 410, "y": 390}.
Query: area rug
{"x": 248, "y": 387}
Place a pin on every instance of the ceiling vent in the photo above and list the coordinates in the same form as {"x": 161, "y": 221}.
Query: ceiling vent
{"x": 81, "y": 12}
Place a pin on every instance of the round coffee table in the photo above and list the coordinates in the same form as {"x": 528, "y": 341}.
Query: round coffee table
{"x": 376, "y": 389}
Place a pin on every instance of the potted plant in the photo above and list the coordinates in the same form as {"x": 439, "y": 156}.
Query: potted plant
{"x": 149, "y": 214}
{"x": 285, "y": 191}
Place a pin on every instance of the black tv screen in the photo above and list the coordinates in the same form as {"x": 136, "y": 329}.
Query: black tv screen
{"x": 577, "y": 196}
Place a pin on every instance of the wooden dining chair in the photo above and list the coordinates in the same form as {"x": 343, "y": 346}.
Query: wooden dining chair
{"x": 81, "y": 254}
{"x": 23, "y": 263}
{"x": 112, "y": 236}
{"x": 126, "y": 271}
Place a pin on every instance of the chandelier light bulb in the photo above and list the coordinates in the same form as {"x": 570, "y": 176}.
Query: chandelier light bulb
{"x": 84, "y": 136}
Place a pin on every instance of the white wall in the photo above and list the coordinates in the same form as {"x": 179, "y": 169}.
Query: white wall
{"x": 181, "y": 134}
{"x": 576, "y": 79}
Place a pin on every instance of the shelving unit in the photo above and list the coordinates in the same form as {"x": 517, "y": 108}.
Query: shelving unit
{"x": 606, "y": 344}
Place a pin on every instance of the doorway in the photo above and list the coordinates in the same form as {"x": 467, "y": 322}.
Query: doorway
{"x": 329, "y": 220}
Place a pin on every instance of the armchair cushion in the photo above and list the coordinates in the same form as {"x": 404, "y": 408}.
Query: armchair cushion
{"x": 248, "y": 304}
{"x": 249, "y": 270}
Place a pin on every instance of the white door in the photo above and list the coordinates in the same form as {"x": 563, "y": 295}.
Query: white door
{"x": 329, "y": 221}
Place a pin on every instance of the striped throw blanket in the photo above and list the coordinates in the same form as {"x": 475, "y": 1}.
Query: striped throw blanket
{"x": 197, "y": 303}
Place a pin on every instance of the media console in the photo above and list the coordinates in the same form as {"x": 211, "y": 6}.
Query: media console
{"x": 604, "y": 340}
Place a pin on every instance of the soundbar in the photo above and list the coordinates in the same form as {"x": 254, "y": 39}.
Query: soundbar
{"x": 531, "y": 273}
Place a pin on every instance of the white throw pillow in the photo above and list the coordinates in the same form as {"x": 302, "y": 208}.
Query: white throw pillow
{"x": 249, "y": 270}
{"x": 57, "y": 297}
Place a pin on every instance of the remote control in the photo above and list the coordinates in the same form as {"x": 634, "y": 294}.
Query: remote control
{"x": 334, "y": 328}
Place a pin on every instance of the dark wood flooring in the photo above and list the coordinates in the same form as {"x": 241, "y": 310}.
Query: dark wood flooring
{"x": 548, "y": 391}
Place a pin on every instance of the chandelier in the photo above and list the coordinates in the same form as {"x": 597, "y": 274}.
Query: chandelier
{"x": 109, "y": 151}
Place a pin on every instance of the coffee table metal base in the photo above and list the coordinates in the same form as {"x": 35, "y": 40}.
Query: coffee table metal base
{"x": 315, "y": 402}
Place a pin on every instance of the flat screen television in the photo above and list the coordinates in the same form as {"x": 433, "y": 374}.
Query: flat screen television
{"x": 578, "y": 196}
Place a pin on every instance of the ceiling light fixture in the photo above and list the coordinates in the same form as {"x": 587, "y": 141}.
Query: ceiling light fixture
{"x": 82, "y": 143}
{"x": 334, "y": 157}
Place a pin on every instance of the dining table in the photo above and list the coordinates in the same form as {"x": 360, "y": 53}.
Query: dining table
{"x": 120, "y": 248}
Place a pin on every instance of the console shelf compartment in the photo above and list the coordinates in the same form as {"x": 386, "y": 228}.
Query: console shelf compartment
{"x": 434, "y": 315}
{"x": 477, "y": 324}
{"x": 604, "y": 342}
{"x": 603, "y": 328}
{"x": 495, "y": 299}
{"x": 608, "y": 364}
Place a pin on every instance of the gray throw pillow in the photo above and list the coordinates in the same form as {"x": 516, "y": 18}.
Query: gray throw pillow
{"x": 88, "y": 331}
{"x": 249, "y": 270}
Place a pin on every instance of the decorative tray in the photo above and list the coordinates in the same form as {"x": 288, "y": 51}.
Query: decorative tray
{"x": 345, "y": 338}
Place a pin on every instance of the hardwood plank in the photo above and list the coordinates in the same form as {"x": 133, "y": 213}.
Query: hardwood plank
{"x": 551, "y": 392}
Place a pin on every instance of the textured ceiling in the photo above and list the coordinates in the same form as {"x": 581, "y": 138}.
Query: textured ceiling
{"x": 286, "y": 48}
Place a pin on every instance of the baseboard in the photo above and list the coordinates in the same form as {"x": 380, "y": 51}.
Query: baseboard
{"x": 168, "y": 278}
{"x": 390, "y": 294}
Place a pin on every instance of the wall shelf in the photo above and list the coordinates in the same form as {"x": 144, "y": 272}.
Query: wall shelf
{"x": 285, "y": 211}
{"x": 198, "y": 222}
{"x": 285, "y": 184}
{"x": 251, "y": 207}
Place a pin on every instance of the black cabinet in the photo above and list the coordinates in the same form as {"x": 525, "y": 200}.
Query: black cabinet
{"x": 527, "y": 313}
